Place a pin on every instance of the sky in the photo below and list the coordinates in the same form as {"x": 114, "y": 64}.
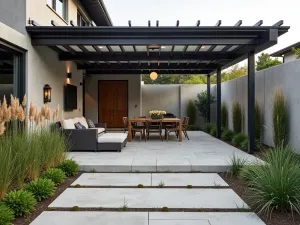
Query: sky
{"x": 209, "y": 12}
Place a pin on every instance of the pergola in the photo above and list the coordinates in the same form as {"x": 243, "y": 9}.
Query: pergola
{"x": 166, "y": 50}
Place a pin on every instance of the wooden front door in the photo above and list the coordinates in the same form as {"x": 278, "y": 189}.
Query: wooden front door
{"x": 113, "y": 102}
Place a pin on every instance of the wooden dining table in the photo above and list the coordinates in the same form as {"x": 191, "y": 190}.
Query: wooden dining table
{"x": 164, "y": 120}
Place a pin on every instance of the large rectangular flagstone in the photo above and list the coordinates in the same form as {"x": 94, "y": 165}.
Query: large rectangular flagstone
{"x": 204, "y": 218}
{"x": 91, "y": 218}
{"x": 184, "y": 179}
{"x": 148, "y": 198}
{"x": 113, "y": 179}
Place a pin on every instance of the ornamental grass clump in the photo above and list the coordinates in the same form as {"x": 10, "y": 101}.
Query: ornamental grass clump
{"x": 21, "y": 202}
{"x": 274, "y": 185}
{"x": 258, "y": 121}
{"x": 238, "y": 139}
{"x": 207, "y": 127}
{"x": 237, "y": 117}
{"x": 224, "y": 116}
{"x": 280, "y": 118}
{"x": 227, "y": 135}
{"x": 237, "y": 164}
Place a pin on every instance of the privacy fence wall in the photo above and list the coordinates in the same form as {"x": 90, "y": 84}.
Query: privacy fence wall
{"x": 286, "y": 76}
{"x": 171, "y": 98}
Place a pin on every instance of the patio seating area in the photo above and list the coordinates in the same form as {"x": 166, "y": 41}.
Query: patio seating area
{"x": 202, "y": 153}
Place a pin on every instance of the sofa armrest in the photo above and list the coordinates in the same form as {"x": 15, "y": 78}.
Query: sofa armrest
{"x": 100, "y": 125}
{"x": 82, "y": 139}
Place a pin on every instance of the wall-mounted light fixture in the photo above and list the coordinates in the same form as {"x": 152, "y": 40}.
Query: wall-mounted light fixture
{"x": 47, "y": 93}
{"x": 69, "y": 76}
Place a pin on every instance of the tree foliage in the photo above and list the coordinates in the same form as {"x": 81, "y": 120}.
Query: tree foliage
{"x": 297, "y": 52}
{"x": 235, "y": 72}
{"x": 265, "y": 61}
{"x": 201, "y": 103}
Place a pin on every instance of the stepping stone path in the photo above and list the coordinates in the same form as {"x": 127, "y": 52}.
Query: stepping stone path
{"x": 113, "y": 190}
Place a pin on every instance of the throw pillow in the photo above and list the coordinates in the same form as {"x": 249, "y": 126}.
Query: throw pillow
{"x": 68, "y": 124}
{"x": 79, "y": 126}
{"x": 90, "y": 123}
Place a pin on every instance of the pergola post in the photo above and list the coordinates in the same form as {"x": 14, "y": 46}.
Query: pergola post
{"x": 219, "y": 103}
{"x": 208, "y": 98}
{"x": 251, "y": 102}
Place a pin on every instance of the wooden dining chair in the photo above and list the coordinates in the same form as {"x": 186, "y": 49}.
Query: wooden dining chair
{"x": 185, "y": 126}
{"x": 173, "y": 128}
{"x": 154, "y": 127}
{"x": 125, "y": 123}
{"x": 134, "y": 128}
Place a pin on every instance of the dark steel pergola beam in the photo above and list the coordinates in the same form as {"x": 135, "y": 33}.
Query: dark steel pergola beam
{"x": 145, "y": 66}
{"x": 145, "y": 41}
{"x": 141, "y": 56}
{"x": 146, "y": 71}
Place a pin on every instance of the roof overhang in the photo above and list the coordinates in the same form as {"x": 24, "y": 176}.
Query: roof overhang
{"x": 286, "y": 50}
{"x": 192, "y": 50}
{"x": 97, "y": 11}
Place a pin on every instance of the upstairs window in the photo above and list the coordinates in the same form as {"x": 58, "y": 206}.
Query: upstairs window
{"x": 81, "y": 21}
{"x": 60, "y": 7}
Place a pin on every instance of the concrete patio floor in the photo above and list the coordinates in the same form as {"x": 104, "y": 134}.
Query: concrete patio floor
{"x": 202, "y": 153}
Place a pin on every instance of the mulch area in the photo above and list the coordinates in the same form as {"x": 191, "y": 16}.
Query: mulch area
{"x": 278, "y": 218}
{"x": 43, "y": 205}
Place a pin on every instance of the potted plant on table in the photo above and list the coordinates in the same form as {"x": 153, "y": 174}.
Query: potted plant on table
{"x": 157, "y": 114}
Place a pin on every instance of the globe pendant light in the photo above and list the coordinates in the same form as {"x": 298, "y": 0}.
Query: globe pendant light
{"x": 153, "y": 75}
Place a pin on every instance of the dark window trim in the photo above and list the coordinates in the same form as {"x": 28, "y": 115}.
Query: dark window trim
{"x": 82, "y": 17}
{"x": 19, "y": 69}
{"x": 65, "y": 9}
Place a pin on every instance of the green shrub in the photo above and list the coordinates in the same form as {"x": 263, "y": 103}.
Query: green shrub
{"x": 238, "y": 139}
{"x": 274, "y": 184}
{"x": 70, "y": 167}
{"x": 258, "y": 121}
{"x": 207, "y": 127}
{"x": 165, "y": 209}
{"x": 237, "y": 117}
{"x": 201, "y": 103}
{"x": 244, "y": 144}
{"x": 191, "y": 112}
{"x": 227, "y": 135}
{"x": 21, "y": 202}
{"x": 41, "y": 188}
{"x": 237, "y": 164}
{"x": 280, "y": 118}
{"x": 54, "y": 174}
{"x": 297, "y": 52}
{"x": 224, "y": 116}
{"x": 140, "y": 186}
{"x": 213, "y": 131}
{"x": 6, "y": 215}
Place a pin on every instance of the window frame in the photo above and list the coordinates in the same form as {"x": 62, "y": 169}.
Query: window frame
{"x": 64, "y": 11}
{"x": 82, "y": 18}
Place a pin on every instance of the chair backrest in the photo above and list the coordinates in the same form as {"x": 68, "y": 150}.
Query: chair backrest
{"x": 125, "y": 122}
{"x": 186, "y": 121}
{"x": 157, "y": 123}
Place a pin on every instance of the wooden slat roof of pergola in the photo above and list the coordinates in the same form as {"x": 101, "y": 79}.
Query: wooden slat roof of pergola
{"x": 167, "y": 50}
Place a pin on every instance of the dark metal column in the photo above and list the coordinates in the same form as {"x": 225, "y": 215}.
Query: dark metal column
{"x": 208, "y": 98}
{"x": 251, "y": 102}
{"x": 219, "y": 103}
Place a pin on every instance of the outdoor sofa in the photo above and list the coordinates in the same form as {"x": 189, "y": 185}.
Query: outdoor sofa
{"x": 91, "y": 138}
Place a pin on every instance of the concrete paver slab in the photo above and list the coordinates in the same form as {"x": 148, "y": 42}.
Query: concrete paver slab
{"x": 214, "y": 218}
{"x": 113, "y": 179}
{"x": 148, "y": 198}
{"x": 184, "y": 179}
{"x": 91, "y": 218}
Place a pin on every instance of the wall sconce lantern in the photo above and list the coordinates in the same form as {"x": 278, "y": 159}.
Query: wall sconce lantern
{"x": 69, "y": 75}
{"x": 47, "y": 93}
